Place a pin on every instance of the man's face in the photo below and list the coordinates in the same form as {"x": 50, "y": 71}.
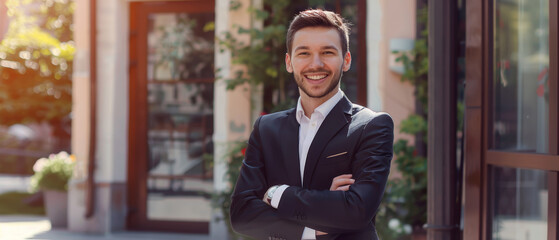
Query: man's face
{"x": 317, "y": 62}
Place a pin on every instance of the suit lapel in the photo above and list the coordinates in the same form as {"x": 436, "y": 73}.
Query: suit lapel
{"x": 336, "y": 120}
{"x": 290, "y": 148}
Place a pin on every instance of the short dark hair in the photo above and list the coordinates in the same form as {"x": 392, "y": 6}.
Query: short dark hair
{"x": 319, "y": 18}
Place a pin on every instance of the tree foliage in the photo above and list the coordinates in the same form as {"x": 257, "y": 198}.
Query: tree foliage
{"x": 36, "y": 62}
{"x": 263, "y": 56}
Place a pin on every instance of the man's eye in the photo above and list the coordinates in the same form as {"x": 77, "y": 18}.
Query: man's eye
{"x": 303, "y": 53}
{"x": 329, "y": 53}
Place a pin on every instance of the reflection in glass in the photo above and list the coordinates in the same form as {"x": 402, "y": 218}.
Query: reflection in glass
{"x": 519, "y": 202}
{"x": 520, "y": 75}
{"x": 180, "y": 116}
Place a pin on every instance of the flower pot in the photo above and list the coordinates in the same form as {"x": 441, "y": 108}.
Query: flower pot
{"x": 56, "y": 203}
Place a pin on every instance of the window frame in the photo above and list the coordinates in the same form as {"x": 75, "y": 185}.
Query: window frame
{"x": 479, "y": 157}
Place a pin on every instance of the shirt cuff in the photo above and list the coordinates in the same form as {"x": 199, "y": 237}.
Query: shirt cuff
{"x": 277, "y": 195}
{"x": 309, "y": 234}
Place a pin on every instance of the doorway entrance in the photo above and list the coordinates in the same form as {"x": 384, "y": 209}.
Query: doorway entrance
{"x": 171, "y": 115}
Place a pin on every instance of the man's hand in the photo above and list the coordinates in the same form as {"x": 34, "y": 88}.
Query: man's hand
{"x": 339, "y": 183}
{"x": 265, "y": 198}
{"x": 342, "y": 182}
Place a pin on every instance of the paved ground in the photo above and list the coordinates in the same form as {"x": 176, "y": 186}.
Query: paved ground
{"x": 38, "y": 227}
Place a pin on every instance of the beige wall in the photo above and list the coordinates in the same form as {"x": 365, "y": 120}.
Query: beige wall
{"x": 232, "y": 109}
{"x": 112, "y": 116}
{"x": 386, "y": 20}
{"x": 397, "y": 21}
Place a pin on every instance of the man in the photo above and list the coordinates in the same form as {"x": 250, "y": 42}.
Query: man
{"x": 319, "y": 170}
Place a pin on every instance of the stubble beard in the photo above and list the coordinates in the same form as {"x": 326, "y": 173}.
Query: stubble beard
{"x": 332, "y": 87}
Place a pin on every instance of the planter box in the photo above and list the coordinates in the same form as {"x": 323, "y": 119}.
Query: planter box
{"x": 56, "y": 206}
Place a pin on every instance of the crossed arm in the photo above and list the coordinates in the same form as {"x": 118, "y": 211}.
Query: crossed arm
{"x": 339, "y": 183}
{"x": 322, "y": 210}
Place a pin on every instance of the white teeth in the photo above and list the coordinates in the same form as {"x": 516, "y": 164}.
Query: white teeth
{"x": 316, "y": 77}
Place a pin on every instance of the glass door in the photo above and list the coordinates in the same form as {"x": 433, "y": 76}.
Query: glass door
{"x": 519, "y": 114}
{"x": 172, "y": 77}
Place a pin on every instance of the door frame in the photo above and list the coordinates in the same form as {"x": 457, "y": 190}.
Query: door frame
{"x": 479, "y": 156}
{"x": 137, "y": 135}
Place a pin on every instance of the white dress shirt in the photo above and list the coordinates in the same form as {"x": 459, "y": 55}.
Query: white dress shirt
{"x": 307, "y": 131}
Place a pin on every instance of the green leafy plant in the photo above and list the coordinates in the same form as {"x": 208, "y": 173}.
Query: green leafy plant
{"x": 263, "y": 55}
{"x": 53, "y": 173}
{"x": 406, "y": 196}
{"x": 222, "y": 200}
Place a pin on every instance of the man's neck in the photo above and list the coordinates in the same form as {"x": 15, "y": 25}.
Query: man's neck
{"x": 309, "y": 104}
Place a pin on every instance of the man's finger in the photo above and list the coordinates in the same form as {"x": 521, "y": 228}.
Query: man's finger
{"x": 343, "y": 188}
{"x": 342, "y": 176}
{"x": 340, "y": 182}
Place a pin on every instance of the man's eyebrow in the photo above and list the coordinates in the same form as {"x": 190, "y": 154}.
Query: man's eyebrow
{"x": 301, "y": 48}
{"x": 330, "y": 47}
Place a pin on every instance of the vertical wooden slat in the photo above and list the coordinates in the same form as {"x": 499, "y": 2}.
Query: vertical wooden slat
{"x": 473, "y": 120}
{"x": 441, "y": 163}
{"x": 553, "y": 177}
{"x": 132, "y": 174}
{"x": 553, "y": 75}
{"x": 487, "y": 124}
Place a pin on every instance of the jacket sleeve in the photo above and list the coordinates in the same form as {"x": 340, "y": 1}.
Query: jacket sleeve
{"x": 249, "y": 214}
{"x": 352, "y": 210}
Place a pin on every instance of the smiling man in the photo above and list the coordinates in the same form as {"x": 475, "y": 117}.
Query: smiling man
{"x": 317, "y": 171}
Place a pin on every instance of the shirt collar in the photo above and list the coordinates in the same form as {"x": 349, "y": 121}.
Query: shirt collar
{"x": 323, "y": 109}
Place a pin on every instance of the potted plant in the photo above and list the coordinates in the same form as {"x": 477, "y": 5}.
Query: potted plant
{"x": 51, "y": 176}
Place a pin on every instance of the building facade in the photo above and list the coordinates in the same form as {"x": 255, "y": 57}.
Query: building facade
{"x": 149, "y": 108}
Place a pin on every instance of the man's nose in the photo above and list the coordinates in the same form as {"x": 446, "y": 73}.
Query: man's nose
{"x": 316, "y": 61}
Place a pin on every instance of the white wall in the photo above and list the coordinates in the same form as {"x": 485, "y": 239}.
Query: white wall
{"x": 374, "y": 37}
{"x": 112, "y": 91}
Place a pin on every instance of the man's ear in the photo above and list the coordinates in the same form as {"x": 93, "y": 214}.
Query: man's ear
{"x": 347, "y": 61}
{"x": 288, "y": 66}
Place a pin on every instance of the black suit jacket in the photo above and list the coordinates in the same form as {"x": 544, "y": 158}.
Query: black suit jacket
{"x": 272, "y": 158}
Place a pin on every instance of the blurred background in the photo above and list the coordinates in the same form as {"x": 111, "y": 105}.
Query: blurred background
{"x": 137, "y": 113}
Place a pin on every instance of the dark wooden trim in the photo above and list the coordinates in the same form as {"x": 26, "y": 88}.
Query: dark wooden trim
{"x": 487, "y": 204}
{"x": 523, "y": 160}
{"x": 487, "y": 104}
{"x": 362, "y": 71}
{"x": 474, "y": 115}
{"x": 553, "y": 78}
{"x": 488, "y": 73}
{"x": 132, "y": 175}
{"x": 474, "y": 54}
{"x": 473, "y": 177}
{"x": 90, "y": 193}
{"x": 441, "y": 163}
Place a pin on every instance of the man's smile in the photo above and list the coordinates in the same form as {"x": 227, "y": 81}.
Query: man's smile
{"x": 316, "y": 77}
